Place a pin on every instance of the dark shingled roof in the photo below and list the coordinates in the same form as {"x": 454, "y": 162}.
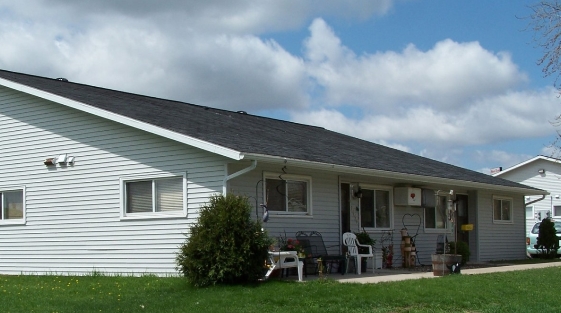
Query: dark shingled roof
{"x": 250, "y": 134}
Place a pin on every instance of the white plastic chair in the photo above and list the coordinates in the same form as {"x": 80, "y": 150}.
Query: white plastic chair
{"x": 349, "y": 240}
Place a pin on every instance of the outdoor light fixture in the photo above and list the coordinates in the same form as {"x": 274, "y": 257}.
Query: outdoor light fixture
{"x": 358, "y": 193}
{"x": 62, "y": 160}
{"x": 50, "y": 161}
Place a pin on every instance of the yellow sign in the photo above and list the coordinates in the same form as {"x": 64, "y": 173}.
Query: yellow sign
{"x": 467, "y": 227}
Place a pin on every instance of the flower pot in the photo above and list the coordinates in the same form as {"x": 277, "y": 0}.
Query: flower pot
{"x": 363, "y": 265}
{"x": 442, "y": 263}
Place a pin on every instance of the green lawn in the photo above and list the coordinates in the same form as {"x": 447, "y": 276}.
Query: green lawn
{"x": 523, "y": 291}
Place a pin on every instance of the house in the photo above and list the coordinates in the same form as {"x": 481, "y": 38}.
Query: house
{"x": 540, "y": 172}
{"x": 98, "y": 179}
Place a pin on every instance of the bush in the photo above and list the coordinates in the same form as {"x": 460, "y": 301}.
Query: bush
{"x": 462, "y": 248}
{"x": 225, "y": 246}
{"x": 547, "y": 240}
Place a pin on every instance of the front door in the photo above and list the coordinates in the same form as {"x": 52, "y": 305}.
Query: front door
{"x": 345, "y": 208}
{"x": 462, "y": 218}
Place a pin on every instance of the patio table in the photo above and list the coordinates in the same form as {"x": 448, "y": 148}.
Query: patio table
{"x": 284, "y": 259}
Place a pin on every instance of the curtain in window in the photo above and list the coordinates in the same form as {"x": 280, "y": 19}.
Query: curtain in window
{"x": 276, "y": 195}
{"x": 139, "y": 197}
{"x": 169, "y": 194}
{"x": 297, "y": 196}
{"x": 382, "y": 209}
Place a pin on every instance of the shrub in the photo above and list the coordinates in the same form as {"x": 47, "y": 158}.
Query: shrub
{"x": 225, "y": 246}
{"x": 462, "y": 248}
{"x": 547, "y": 239}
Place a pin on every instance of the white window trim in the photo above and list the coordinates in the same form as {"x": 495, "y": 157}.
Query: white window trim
{"x": 151, "y": 215}
{"x": 304, "y": 178}
{"x": 392, "y": 208}
{"x": 21, "y": 221}
{"x": 511, "y": 221}
{"x": 445, "y": 230}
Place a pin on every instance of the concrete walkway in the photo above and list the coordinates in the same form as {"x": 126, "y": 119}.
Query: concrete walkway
{"x": 386, "y": 275}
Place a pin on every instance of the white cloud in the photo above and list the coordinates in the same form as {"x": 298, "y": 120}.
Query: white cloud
{"x": 227, "y": 71}
{"x": 210, "y": 16}
{"x": 434, "y": 102}
{"x": 444, "y": 77}
{"x": 523, "y": 114}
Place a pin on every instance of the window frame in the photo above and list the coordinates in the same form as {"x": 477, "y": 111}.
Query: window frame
{"x": 154, "y": 214}
{"x": 511, "y": 209}
{"x": 447, "y": 225}
{"x": 290, "y": 177}
{"x": 391, "y": 207}
{"x": 15, "y": 221}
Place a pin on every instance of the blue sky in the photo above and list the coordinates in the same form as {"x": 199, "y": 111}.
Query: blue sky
{"x": 455, "y": 81}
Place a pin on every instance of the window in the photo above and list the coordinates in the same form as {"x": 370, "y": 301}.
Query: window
{"x": 436, "y": 217}
{"x": 157, "y": 196}
{"x": 375, "y": 208}
{"x": 530, "y": 212}
{"x": 12, "y": 206}
{"x": 557, "y": 210}
{"x": 502, "y": 209}
{"x": 288, "y": 194}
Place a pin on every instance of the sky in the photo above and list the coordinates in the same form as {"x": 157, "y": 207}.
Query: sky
{"x": 454, "y": 81}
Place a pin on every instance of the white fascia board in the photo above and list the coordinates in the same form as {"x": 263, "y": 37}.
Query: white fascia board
{"x": 195, "y": 142}
{"x": 418, "y": 179}
{"x": 519, "y": 165}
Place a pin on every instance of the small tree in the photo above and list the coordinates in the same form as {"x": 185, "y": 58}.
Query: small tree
{"x": 225, "y": 246}
{"x": 545, "y": 22}
{"x": 547, "y": 240}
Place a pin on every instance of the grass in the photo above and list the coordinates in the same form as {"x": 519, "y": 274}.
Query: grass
{"x": 526, "y": 261}
{"x": 522, "y": 291}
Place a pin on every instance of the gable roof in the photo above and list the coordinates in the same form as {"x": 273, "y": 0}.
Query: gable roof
{"x": 532, "y": 160}
{"x": 244, "y": 136}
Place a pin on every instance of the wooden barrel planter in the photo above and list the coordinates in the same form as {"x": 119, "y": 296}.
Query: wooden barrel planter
{"x": 441, "y": 263}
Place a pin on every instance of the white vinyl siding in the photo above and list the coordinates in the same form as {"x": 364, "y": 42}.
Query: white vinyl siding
{"x": 324, "y": 201}
{"x": 73, "y": 214}
{"x": 496, "y": 240}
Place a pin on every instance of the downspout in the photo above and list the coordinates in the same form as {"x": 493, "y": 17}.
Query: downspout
{"x": 534, "y": 201}
{"x": 238, "y": 173}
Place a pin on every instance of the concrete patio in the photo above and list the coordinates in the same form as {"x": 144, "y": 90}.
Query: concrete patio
{"x": 399, "y": 274}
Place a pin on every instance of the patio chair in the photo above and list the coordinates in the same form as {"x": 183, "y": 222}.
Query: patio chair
{"x": 315, "y": 248}
{"x": 349, "y": 240}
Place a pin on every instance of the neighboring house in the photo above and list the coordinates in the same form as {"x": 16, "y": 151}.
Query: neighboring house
{"x": 97, "y": 179}
{"x": 540, "y": 172}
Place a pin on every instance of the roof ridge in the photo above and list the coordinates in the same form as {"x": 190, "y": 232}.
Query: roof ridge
{"x": 159, "y": 98}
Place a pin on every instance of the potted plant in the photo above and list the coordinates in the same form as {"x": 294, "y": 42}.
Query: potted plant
{"x": 293, "y": 245}
{"x": 364, "y": 239}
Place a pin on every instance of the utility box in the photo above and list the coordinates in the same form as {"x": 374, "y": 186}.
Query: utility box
{"x": 407, "y": 196}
